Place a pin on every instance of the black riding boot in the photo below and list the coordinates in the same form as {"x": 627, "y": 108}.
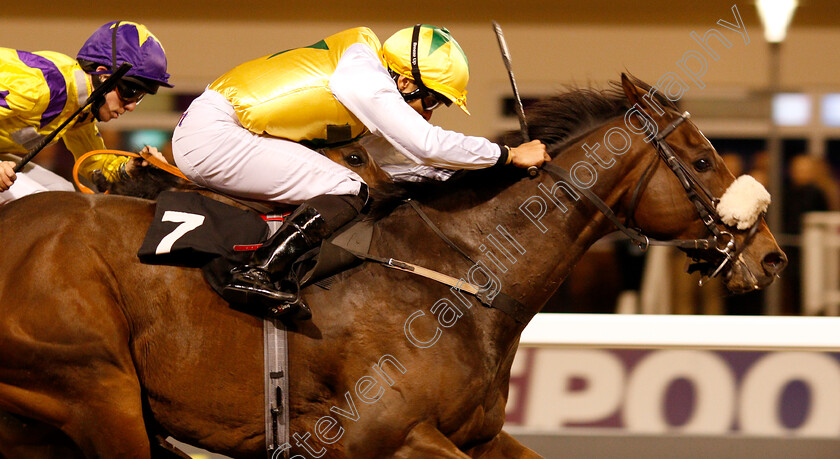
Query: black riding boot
{"x": 311, "y": 223}
{"x": 255, "y": 284}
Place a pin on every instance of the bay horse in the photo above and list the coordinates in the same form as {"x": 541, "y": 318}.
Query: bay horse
{"x": 101, "y": 354}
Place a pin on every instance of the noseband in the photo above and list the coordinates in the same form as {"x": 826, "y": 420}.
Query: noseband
{"x": 704, "y": 202}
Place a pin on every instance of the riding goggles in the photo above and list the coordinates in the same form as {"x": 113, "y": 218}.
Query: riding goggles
{"x": 129, "y": 93}
{"x": 429, "y": 99}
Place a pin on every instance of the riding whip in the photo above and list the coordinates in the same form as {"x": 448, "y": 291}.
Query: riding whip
{"x": 107, "y": 86}
{"x": 520, "y": 111}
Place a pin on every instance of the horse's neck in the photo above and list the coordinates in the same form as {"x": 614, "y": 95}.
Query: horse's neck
{"x": 529, "y": 257}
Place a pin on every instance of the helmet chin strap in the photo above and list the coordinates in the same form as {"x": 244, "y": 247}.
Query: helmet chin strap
{"x": 421, "y": 90}
{"x": 415, "y": 60}
{"x": 96, "y": 105}
{"x": 96, "y": 81}
{"x": 100, "y": 101}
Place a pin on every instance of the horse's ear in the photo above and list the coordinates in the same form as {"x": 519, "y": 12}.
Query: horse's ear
{"x": 631, "y": 90}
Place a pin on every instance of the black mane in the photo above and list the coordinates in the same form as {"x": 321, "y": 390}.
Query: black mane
{"x": 559, "y": 119}
{"x": 556, "y": 121}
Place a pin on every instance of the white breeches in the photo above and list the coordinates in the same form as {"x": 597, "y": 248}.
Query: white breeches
{"x": 212, "y": 148}
{"x": 32, "y": 179}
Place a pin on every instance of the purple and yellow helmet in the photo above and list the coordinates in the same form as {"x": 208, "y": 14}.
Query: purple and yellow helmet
{"x": 134, "y": 44}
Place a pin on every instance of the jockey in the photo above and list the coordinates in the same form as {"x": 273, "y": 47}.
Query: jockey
{"x": 253, "y": 133}
{"x": 41, "y": 90}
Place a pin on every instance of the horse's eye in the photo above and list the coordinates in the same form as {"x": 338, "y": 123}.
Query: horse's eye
{"x": 702, "y": 165}
{"x": 355, "y": 160}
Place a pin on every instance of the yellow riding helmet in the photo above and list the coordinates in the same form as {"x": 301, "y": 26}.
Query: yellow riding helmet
{"x": 441, "y": 63}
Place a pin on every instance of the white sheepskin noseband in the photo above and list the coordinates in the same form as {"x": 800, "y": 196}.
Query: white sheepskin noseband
{"x": 743, "y": 202}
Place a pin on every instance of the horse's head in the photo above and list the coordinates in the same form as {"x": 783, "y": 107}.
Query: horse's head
{"x": 677, "y": 194}
{"x": 356, "y": 157}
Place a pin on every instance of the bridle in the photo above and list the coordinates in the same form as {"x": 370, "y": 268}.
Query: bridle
{"x": 703, "y": 200}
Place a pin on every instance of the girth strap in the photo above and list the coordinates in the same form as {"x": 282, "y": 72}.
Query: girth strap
{"x": 276, "y": 385}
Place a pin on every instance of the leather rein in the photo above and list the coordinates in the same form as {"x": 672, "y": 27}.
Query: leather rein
{"x": 146, "y": 156}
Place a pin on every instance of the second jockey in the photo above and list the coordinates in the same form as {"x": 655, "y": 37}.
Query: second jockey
{"x": 254, "y": 131}
{"x": 41, "y": 90}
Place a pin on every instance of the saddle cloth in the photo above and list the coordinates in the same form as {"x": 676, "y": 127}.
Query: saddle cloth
{"x": 190, "y": 229}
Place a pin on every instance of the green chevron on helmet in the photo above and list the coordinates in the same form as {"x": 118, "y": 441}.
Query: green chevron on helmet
{"x": 442, "y": 64}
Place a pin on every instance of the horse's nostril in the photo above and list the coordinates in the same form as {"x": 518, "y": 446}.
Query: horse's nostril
{"x": 774, "y": 262}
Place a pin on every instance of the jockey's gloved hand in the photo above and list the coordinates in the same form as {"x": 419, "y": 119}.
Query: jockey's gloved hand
{"x": 135, "y": 163}
{"x": 529, "y": 154}
{"x": 7, "y": 175}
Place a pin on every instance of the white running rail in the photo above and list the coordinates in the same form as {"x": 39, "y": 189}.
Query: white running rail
{"x": 684, "y": 331}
